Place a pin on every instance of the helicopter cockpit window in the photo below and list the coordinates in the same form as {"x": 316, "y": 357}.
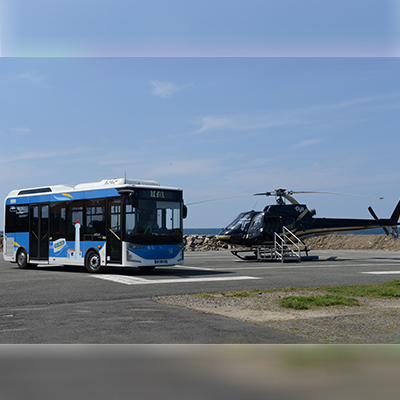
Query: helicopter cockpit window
{"x": 241, "y": 223}
{"x": 257, "y": 222}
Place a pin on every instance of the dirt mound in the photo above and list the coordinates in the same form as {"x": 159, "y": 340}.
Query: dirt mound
{"x": 353, "y": 242}
{"x": 328, "y": 242}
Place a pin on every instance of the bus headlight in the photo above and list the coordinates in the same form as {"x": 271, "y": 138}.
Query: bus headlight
{"x": 131, "y": 257}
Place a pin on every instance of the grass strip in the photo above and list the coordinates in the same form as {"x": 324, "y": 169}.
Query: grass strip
{"x": 337, "y": 295}
{"x": 305, "y": 302}
{"x": 390, "y": 289}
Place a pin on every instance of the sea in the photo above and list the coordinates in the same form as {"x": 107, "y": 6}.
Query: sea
{"x": 215, "y": 231}
{"x": 201, "y": 231}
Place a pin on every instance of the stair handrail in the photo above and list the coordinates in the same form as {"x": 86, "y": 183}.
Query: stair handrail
{"x": 280, "y": 243}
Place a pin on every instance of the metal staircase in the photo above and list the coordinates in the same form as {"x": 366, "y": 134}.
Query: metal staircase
{"x": 286, "y": 247}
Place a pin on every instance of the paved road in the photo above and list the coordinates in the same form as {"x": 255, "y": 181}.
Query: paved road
{"x": 68, "y": 305}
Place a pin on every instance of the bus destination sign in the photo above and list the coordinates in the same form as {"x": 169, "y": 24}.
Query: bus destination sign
{"x": 157, "y": 194}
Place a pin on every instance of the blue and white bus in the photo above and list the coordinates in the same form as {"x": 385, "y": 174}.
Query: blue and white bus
{"x": 117, "y": 222}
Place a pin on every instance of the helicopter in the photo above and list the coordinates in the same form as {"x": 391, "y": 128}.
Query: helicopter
{"x": 256, "y": 228}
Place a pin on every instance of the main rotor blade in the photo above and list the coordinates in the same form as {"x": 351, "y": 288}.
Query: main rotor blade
{"x": 290, "y": 198}
{"x": 280, "y": 192}
{"x": 265, "y": 194}
{"x": 219, "y": 198}
{"x": 341, "y": 194}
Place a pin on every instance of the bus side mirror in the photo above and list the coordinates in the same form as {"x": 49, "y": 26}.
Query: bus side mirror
{"x": 133, "y": 200}
{"x": 184, "y": 213}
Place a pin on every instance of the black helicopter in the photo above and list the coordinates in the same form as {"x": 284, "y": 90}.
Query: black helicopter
{"x": 253, "y": 228}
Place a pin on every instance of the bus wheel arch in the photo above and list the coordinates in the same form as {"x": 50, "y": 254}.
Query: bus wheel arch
{"x": 22, "y": 258}
{"x": 93, "y": 262}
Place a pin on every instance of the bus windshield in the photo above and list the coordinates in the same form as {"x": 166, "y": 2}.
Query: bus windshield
{"x": 154, "y": 222}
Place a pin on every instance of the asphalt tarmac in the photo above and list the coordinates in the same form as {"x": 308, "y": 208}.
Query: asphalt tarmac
{"x": 64, "y": 305}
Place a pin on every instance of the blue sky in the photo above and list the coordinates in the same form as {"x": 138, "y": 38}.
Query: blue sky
{"x": 200, "y": 28}
{"x": 216, "y": 126}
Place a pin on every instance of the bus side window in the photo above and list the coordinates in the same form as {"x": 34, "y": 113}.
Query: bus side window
{"x": 95, "y": 219}
{"x": 58, "y": 220}
{"x": 17, "y": 219}
{"x": 75, "y": 213}
{"x": 11, "y": 219}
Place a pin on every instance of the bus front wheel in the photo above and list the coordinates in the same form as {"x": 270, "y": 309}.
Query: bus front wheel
{"x": 92, "y": 263}
{"x": 22, "y": 259}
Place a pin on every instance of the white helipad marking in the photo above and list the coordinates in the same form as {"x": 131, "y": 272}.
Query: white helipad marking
{"x": 199, "y": 268}
{"x": 130, "y": 280}
{"x": 381, "y": 272}
{"x": 300, "y": 266}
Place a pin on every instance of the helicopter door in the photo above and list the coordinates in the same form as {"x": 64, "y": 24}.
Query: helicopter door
{"x": 272, "y": 225}
{"x": 256, "y": 225}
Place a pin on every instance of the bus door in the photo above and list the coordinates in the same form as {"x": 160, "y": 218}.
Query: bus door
{"x": 39, "y": 232}
{"x": 114, "y": 231}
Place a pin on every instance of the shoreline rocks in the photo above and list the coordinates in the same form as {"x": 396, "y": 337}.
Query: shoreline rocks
{"x": 205, "y": 243}
{"x": 328, "y": 242}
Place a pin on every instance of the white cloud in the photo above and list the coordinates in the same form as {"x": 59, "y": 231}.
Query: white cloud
{"x": 195, "y": 167}
{"x": 309, "y": 142}
{"x": 20, "y": 130}
{"x": 363, "y": 100}
{"x": 166, "y": 89}
{"x": 242, "y": 123}
{"x": 41, "y": 155}
{"x": 347, "y": 103}
{"x": 213, "y": 122}
{"x": 163, "y": 167}
{"x": 31, "y": 77}
{"x": 281, "y": 117}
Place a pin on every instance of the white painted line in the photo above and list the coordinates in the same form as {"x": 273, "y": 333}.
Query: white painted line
{"x": 197, "y": 268}
{"x": 381, "y": 272}
{"x": 130, "y": 280}
{"x": 300, "y": 266}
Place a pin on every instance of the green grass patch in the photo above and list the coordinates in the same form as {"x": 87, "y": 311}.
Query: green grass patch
{"x": 390, "y": 289}
{"x": 305, "y": 302}
{"x": 206, "y": 295}
{"x": 337, "y": 295}
{"x": 243, "y": 293}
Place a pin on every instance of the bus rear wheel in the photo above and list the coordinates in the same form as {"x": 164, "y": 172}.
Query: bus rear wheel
{"x": 92, "y": 263}
{"x": 22, "y": 259}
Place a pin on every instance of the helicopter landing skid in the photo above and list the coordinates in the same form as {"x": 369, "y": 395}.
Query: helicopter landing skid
{"x": 245, "y": 257}
{"x": 271, "y": 256}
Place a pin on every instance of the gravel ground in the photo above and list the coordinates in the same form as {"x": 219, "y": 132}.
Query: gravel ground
{"x": 374, "y": 321}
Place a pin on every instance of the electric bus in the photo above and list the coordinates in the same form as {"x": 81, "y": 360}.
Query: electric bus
{"x": 112, "y": 223}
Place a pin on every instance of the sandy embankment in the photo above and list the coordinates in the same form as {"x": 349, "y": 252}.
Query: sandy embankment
{"x": 328, "y": 242}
